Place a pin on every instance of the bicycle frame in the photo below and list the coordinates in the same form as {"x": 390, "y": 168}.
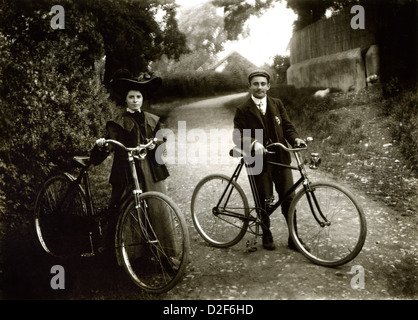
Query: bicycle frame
{"x": 303, "y": 180}
{"x": 83, "y": 182}
{"x": 139, "y": 153}
{"x": 325, "y": 221}
{"x": 83, "y": 179}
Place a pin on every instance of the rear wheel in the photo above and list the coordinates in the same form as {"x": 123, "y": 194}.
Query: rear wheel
{"x": 220, "y": 210}
{"x": 60, "y": 217}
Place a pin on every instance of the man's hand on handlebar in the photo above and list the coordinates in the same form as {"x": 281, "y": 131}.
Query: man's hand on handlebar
{"x": 259, "y": 149}
{"x": 300, "y": 143}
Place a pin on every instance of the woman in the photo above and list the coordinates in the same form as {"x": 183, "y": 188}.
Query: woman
{"x": 132, "y": 126}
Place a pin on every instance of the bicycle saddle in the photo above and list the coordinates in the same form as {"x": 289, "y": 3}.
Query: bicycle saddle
{"x": 236, "y": 152}
{"x": 81, "y": 161}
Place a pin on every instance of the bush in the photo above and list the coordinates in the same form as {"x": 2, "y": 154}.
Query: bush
{"x": 52, "y": 103}
{"x": 404, "y": 110}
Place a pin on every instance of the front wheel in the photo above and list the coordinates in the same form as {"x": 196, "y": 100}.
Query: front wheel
{"x": 152, "y": 242}
{"x": 220, "y": 210}
{"x": 327, "y": 224}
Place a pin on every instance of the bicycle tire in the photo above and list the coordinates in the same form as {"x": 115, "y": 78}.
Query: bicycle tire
{"x": 330, "y": 245}
{"x": 59, "y": 217}
{"x": 217, "y": 229}
{"x": 153, "y": 250}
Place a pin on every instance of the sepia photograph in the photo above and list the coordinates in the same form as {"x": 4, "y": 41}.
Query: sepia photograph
{"x": 209, "y": 157}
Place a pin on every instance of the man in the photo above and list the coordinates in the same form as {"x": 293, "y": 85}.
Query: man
{"x": 263, "y": 112}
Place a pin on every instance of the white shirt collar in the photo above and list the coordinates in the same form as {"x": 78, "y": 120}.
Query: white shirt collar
{"x": 263, "y": 101}
{"x": 132, "y": 111}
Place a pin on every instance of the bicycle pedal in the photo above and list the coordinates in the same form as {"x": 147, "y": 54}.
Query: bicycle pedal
{"x": 251, "y": 246}
{"x": 252, "y": 249}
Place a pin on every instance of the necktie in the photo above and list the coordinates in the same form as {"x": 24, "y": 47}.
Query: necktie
{"x": 260, "y": 107}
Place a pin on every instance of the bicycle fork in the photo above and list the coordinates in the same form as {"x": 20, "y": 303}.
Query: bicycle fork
{"x": 310, "y": 194}
{"x": 144, "y": 223}
{"x": 315, "y": 208}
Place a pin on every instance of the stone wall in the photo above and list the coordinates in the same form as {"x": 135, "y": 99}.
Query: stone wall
{"x": 329, "y": 53}
{"x": 344, "y": 71}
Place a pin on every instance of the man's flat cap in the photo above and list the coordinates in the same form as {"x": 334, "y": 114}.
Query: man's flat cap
{"x": 259, "y": 73}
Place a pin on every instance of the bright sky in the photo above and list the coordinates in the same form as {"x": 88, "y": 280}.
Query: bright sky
{"x": 269, "y": 35}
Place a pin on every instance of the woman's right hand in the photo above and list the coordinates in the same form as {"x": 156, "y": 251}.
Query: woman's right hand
{"x": 101, "y": 142}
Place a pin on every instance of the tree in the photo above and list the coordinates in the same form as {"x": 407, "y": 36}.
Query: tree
{"x": 205, "y": 38}
{"x": 204, "y": 28}
{"x": 132, "y": 35}
{"x": 237, "y": 12}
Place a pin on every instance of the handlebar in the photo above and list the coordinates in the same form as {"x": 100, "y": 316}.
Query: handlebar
{"x": 140, "y": 150}
{"x": 235, "y": 151}
{"x": 277, "y": 144}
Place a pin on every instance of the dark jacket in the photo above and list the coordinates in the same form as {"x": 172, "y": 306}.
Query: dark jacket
{"x": 248, "y": 116}
{"x": 124, "y": 129}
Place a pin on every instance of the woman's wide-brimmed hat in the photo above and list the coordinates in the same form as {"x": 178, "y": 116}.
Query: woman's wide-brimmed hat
{"x": 146, "y": 82}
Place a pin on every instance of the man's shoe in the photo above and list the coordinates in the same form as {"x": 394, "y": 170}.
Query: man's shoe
{"x": 268, "y": 243}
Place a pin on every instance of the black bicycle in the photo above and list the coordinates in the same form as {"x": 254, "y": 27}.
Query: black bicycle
{"x": 151, "y": 239}
{"x": 325, "y": 220}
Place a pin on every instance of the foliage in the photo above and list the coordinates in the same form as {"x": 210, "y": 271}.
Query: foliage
{"x": 205, "y": 38}
{"x": 280, "y": 65}
{"x": 204, "y": 28}
{"x": 52, "y": 102}
{"x": 309, "y": 12}
{"x": 237, "y": 12}
{"x": 132, "y": 35}
{"x": 404, "y": 110}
